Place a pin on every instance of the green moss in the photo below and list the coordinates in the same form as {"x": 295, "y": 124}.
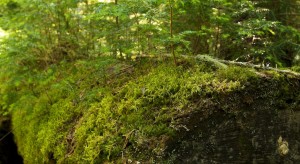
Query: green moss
{"x": 98, "y": 111}
{"x": 296, "y": 68}
{"x": 237, "y": 73}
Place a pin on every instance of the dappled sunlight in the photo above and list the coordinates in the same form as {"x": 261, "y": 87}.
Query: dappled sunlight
{"x": 107, "y": 1}
{"x": 2, "y": 33}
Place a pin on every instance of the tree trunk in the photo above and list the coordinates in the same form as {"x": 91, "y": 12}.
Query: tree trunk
{"x": 171, "y": 31}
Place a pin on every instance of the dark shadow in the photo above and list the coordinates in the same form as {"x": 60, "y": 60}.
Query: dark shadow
{"x": 8, "y": 148}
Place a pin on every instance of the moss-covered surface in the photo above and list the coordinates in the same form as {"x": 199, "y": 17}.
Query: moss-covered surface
{"x": 243, "y": 126}
{"x": 110, "y": 111}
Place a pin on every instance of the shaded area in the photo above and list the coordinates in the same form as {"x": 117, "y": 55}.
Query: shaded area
{"x": 226, "y": 139}
{"x": 8, "y": 149}
{"x": 243, "y": 127}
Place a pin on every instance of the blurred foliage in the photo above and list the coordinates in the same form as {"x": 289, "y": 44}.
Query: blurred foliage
{"x": 47, "y": 32}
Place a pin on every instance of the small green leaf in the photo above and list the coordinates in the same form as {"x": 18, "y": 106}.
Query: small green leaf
{"x": 272, "y": 32}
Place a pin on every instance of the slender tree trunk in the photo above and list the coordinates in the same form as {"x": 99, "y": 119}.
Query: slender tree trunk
{"x": 171, "y": 31}
{"x": 90, "y": 36}
{"x": 117, "y": 18}
{"x": 217, "y": 41}
{"x": 118, "y": 35}
{"x": 59, "y": 26}
{"x": 139, "y": 42}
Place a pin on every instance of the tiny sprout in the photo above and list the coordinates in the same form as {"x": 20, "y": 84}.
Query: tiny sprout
{"x": 283, "y": 146}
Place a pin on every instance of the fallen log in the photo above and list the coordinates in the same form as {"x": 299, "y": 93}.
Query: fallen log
{"x": 224, "y": 63}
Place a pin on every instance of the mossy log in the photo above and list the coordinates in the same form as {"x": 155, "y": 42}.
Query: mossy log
{"x": 203, "y": 111}
{"x": 223, "y": 63}
{"x": 246, "y": 64}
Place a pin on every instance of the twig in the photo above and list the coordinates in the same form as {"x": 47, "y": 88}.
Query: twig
{"x": 8, "y": 133}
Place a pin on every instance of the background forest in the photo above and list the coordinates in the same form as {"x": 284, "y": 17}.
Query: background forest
{"x": 63, "y": 60}
{"x": 45, "y": 32}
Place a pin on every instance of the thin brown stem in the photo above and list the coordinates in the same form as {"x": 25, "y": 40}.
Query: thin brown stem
{"x": 171, "y": 32}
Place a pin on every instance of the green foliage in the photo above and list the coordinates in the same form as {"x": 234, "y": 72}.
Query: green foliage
{"x": 70, "y": 30}
{"x": 296, "y": 68}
